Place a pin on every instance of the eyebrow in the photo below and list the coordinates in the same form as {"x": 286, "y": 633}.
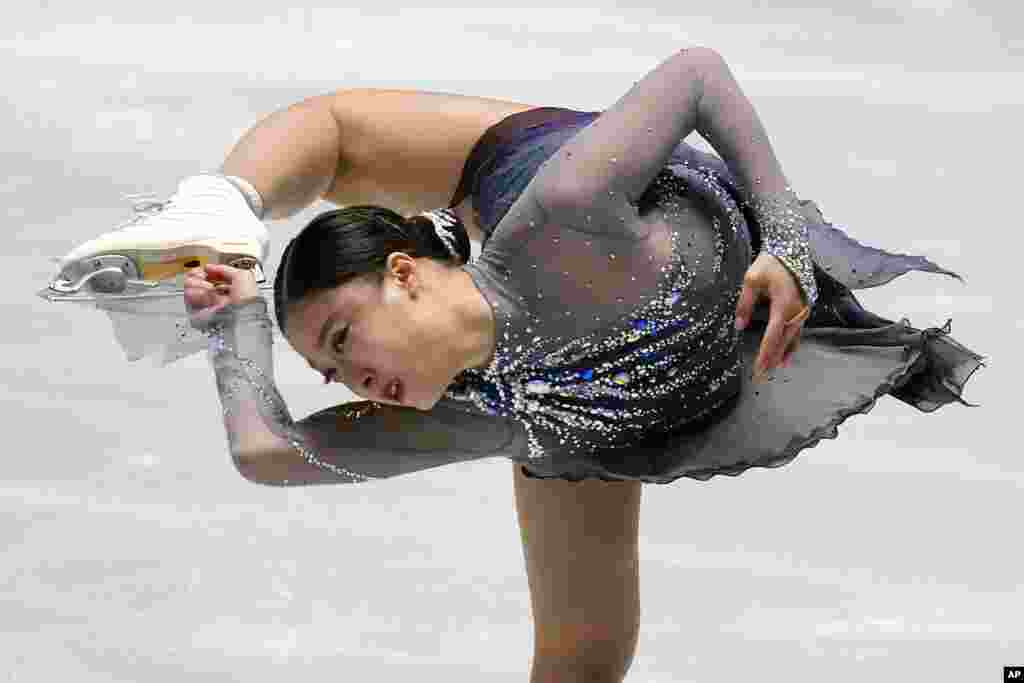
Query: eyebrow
{"x": 323, "y": 330}
{"x": 322, "y": 339}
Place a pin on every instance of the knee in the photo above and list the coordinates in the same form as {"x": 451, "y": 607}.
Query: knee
{"x": 584, "y": 652}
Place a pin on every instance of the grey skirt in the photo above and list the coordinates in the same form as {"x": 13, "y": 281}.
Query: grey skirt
{"x": 848, "y": 358}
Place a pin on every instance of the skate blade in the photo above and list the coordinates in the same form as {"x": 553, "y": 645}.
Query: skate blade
{"x": 155, "y": 263}
{"x": 111, "y": 277}
{"x": 87, "y": 297}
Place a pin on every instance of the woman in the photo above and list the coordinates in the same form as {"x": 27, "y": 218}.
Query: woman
{"x": 594, "y": 338}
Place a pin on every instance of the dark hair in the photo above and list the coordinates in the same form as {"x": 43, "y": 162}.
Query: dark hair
{"x": 340, "y": 245}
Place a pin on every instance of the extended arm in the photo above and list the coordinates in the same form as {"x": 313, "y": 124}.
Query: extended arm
{"x": 612, "y": 161}
{"x": 353, "y": 442}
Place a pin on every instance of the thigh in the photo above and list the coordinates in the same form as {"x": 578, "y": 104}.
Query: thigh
{"x": 581, "y": 551}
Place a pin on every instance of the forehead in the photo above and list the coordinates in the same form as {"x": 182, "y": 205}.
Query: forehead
{"x": 306, "y": 317}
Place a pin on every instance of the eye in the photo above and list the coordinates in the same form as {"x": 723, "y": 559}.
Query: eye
{"x": 339, "y": 340}
{"x": 337, "y": 343}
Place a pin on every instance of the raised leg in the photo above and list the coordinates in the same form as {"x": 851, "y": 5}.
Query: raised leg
{"x": 581, "y": 551}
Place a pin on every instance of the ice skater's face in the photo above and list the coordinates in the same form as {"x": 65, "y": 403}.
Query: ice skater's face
{"x": 367, "y": 335}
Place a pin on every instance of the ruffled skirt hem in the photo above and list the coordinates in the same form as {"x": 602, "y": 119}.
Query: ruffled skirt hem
{"x": 839, "y": 371}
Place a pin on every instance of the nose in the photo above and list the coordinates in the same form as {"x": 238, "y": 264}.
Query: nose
{"x": 369, "y": 388}
{"x": 364, "y": 382}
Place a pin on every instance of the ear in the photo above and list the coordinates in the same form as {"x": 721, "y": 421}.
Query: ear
{"x": 406, "y": 269}
{"x": 401, "y": 272}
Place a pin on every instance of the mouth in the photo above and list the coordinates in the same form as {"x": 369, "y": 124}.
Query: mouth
{"x": 396, "y": 392}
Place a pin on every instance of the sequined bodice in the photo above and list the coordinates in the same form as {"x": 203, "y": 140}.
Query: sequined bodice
{"x": 584, "y": 374}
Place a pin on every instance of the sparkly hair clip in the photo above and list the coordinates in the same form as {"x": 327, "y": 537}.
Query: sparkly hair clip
{"x": 443, "y": 220}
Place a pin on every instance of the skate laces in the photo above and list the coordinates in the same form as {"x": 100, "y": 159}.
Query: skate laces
{"x": 144, "y": 205}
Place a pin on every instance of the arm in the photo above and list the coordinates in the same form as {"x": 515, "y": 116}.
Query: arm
{"x": 354, "y": 442}
{"x": 612, "y": 161}
{"x": 403, "y": 149}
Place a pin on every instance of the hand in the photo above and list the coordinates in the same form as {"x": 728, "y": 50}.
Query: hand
{"x": 768, "y": 278}
{"x": 210, "y": 288}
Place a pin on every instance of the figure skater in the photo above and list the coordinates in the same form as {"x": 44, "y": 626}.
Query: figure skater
{"x": 640, "y": 311}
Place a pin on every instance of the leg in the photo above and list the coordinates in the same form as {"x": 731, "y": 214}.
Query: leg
{"x": 404, "y": 149}
{"x": 580, "y": 546}
{"x": 291, "y": 157}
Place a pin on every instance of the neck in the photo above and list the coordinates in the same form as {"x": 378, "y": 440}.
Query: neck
{"x": 474, "y": 338}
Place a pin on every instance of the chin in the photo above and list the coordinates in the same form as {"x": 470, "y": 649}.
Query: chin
{"x": 429, "y": 403}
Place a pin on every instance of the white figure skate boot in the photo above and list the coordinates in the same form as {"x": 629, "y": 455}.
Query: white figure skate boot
{"x": 208, "y": 220}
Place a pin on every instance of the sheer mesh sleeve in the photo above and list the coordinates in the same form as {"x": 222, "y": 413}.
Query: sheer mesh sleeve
{"x": 353, "y": 442}
{"x": 607, "y": 166}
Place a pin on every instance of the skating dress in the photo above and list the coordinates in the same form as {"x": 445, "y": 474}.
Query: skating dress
{"x": 614, "y": 293}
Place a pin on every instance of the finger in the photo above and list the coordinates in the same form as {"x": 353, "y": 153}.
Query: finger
{"x": 792, "y": 329}
{"x": 791, "y": 345}
{"x": 197, "y": 282}
{"x": 779, "y": 349}
{"x": 195, "y": 289}
{"x": 787, "y": 358}
{"x": 798, "y": 319}
{"x": 195, "y": 299}
{"x": 220, "y": 271}
{"x": 770, "y": 345}
{"x": 745, "y": 307}
{"x": 197, "y": 278}
{"x": 775, "y": 347}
